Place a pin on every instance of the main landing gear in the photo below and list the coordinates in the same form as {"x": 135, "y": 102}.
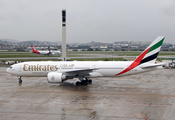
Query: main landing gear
{"x": 20, "y": 80}
{"x": 84, "y": 82}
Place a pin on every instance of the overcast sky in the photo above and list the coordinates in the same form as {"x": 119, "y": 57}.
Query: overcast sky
{"x": 88, "y": 20}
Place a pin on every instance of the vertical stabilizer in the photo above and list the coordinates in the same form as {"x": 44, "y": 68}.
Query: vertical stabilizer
{"x": 149, "y": 55}
{"x": 153, "y": 50}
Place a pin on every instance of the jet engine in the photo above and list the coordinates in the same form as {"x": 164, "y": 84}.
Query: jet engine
{"x": 54, "y": 77}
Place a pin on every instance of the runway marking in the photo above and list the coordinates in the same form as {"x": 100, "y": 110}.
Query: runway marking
{"x": 71, "y": 115}
{"x": 56, "y": 101}
{"x": 144, "y": 104}
{"x": 135, "y": 115}
{"x": 84, "y": 101}
{"x": 159, "y": 105}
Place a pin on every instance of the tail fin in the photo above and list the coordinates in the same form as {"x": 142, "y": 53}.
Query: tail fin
{"x": 148, "y": 55}
{"x": 151, "y": 52}
{"x": 32, "y": 48}
{"x": 35, "y": 50}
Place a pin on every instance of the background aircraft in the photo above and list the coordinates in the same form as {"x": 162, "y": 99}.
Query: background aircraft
{"x": 60, "y": 71}
{"x": 48, "y": 52}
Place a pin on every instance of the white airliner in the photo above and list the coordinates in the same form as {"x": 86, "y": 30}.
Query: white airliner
{"x": 48, "y": 52}
{"x": 60, "y": 71}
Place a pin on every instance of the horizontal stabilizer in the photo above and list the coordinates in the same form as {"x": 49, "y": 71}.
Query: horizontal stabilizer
{"x": 152, "y": 65}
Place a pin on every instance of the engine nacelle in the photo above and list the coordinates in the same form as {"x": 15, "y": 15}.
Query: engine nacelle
{"x": 54, "y": 77}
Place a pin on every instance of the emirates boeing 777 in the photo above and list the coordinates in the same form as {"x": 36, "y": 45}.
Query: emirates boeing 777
{"x": 60, "y": 71}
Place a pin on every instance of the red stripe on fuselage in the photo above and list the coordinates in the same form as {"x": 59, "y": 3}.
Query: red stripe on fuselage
{"x": 135, "y": 63}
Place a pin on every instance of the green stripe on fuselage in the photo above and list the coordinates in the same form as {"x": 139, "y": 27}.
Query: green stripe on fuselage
{"x": 157, "y": 45}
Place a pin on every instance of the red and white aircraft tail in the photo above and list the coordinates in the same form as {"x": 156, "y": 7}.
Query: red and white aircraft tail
{"x": 148, "y": 57}
{"x": 35, "y": 50}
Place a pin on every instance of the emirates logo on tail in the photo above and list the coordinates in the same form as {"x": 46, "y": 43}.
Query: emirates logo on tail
{"x": 148, "y": 55}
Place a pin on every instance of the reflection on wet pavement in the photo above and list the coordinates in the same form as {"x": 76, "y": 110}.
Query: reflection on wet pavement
{"x": 148, "y": 96}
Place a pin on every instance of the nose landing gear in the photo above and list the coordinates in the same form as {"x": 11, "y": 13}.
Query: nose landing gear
{"x": 20, "y": 80}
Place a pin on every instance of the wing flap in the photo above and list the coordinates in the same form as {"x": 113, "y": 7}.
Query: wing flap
{"x": 80, "y": 72}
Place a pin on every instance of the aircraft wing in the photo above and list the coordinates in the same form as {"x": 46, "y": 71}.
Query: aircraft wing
{"x": 152, "y": 65}
{"x": 81, "y": 72}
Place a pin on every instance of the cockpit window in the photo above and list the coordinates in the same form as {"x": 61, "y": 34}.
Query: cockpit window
{"x": 10, "y": 67}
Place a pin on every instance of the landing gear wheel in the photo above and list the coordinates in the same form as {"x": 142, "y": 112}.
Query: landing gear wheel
{"x": 20, "y": 81}
{"x": 90, "y": 81}
{"x": 78, "y": 83}
{"x": 82, "y": 82}
{"x": 85, "y": 83}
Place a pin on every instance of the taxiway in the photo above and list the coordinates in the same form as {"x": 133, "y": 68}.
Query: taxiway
{"x": 148, "y": 96}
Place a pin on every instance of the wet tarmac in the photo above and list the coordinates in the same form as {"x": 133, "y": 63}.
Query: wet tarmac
{"x": 148, "y": 96}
